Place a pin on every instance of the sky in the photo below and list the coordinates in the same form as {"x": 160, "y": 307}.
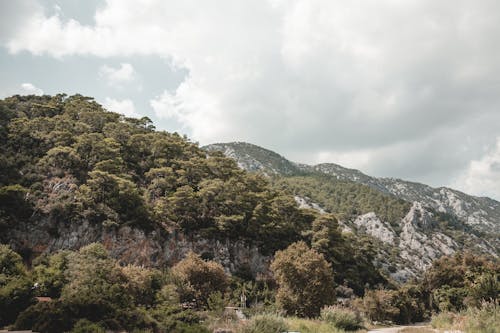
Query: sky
{"x": 394, "y": 88}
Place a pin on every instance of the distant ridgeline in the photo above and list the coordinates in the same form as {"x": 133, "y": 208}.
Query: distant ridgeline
{"x": 411, "y": 223}
{"x": 72, "y": 173}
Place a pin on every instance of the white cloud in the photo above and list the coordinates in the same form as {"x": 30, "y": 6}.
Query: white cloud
{"x": 125, "y": 107}
{"x": 30, "y": 89}
{"x": 392, "y": 87}
{"x": 482, "y": 177}
{"x": 117, "y": 76}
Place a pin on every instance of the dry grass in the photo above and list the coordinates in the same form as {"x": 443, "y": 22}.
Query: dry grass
{"x": 417, "y": 330}
{"x": 311, "y": 326}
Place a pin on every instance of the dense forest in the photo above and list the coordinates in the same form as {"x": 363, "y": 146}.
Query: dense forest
{"x": 67, "y": 160}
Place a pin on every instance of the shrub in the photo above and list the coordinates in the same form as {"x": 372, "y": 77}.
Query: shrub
{"x": 443, "y": 320}
{"x": 86, "y": 326}
{"x": 15, "y": 296}
{"x": 265, "y": 323}
{"x": 199, "y": 278}
{"x": 342, "y": 318}
{"x": 304, "y": 325}
{"x": 450, "y": 298}
{"x": 378, "y": 305}
{"x": 305, "y": 280}
{"x": 216, "y": 302}
{"x": 474, "y": 320}
{"x": 49, "y": 317}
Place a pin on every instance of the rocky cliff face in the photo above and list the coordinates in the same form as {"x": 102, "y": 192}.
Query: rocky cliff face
{"x": 155, "y": 248}
{"x": 418, "y": 239}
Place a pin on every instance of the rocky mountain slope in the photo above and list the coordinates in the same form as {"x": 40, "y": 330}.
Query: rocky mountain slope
{"x": 436, "y": 222}
{"x": 73, "y": 173}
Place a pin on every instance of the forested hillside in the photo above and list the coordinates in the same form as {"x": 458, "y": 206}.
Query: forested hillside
{"x": 73, "y": 173}
{"x": 414, "y": 223}
{"x": 67, "y": 159}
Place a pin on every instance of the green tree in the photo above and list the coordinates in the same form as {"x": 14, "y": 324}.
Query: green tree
{"x": 50, "y": 274}
{"x": 113, "y": 200}
{"x": 15, "y": 287}
{"x": 378, "y": 305}
{"x": 305, "y": 280}
{"x": 96, "y": 287}
{"x": 199, "y": 279}
{"x": 326, "y": 238}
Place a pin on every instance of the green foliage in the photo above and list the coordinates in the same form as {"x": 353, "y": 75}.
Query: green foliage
{"x": 453, "y": 282}
{"x": 11, "y": 263}
{"x": 90, "y": 288}
{"x": 143, "y": 284}
{"x": 449, "y": 298}
{"x": 13, "y": 205}
{"x": 410, "y": 301}
{"x": 96, "y": 287}
{"x": 199, "y": 279}
{"x": 118, "y": 201}
{"x": 342, "y": 318}
{"x": 46, "y": 317}
{"x": 304, "y": 325}
{"x": 443, "y": 320}
{"x": 216, "y": 302}
{"x": 259, "y": 293}
{"x": 351, "y": 257}
{"x": 326, "y": 238}
{"x": 345, "y": 199}
{"x": 80, "y": 162}
{"x": 15, "y": 296}
{"x": 483, "y": 319}
{"x": 86, "y": 326}
{"x": 305, "y": 280}
{"x": 485, "y": 287}
{"x": 49, "y": 274}
{"x": 265, "y": 323}
{"x": 378, "y": 305}
{"x": 174, "y": 319}
{"x": 15, "y": 287}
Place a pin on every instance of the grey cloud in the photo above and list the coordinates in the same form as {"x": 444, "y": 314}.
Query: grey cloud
{"x": 409, "y": 88}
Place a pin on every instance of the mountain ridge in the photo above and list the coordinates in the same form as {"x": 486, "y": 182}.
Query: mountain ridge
{"x": 390, "y": 185}
{"x": 428, "y": 222}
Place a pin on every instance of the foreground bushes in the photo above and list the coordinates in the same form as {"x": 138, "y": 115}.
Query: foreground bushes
{"x": 93, "y": 292}
{"x": 305, "y": 280}
{"x": 342, "y": 318}
{"x": 265, "y": 323}
{"x": 15, "y": 287}
{"x": 485, "y": 319}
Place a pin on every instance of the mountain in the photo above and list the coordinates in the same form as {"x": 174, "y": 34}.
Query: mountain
{"x": 254, "y": 158}
{"x": 415, "y": 223}
{"x": 73, "y": 173}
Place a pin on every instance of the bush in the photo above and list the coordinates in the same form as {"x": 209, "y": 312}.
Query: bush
{"x": 197, "y": 279}
{"x": 378, "y": 305}
{"x": 216, "y": 302}
{"x": 450, "y": 298}
{"x": 86, "y": 326}
{"x": 305, "y": 280}
{"x": 265, "y": 323}
{"x": 342, "y": 318}
{"x": 49, "y": 317}
{"x": 15, "y": 296}
{"x": 304, "y": 325}
{"x": 485, "y": 319}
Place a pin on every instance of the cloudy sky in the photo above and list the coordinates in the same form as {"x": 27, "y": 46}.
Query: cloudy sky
{"x": 395, "y": 88}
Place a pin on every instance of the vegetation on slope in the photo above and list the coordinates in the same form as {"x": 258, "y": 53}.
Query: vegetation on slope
{"x": 345, "y": 199}
{"x": 68, "y": 160}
